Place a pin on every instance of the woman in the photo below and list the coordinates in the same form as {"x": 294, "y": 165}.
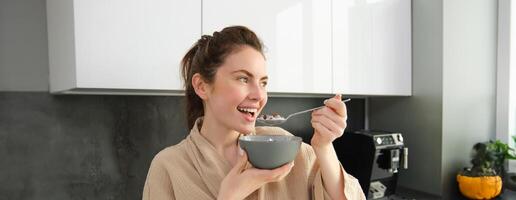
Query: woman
{"x": 225, "y": 82}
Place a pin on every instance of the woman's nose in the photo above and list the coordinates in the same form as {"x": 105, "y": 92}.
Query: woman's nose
{"x": 257, "y": 92}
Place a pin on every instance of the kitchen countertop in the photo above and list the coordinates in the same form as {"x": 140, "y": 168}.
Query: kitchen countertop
{"x": 409, "y": 194}
{"x": 507, "y": 194}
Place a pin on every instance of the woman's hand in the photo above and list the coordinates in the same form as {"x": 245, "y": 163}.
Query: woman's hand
{"x": 241, "y": 182}
{"x": 329, "y": 122}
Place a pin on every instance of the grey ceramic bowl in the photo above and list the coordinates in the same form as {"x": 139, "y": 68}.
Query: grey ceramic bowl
{"x": 270, "y": 151}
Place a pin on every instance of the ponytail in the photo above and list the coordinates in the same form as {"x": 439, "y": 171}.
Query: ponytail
{"x": 194, "y": 106}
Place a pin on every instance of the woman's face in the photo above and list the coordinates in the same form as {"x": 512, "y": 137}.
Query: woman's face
{"x": 238, "y": 93}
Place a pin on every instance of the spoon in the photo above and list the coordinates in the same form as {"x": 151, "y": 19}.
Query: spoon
{"x": 277, "y": 119}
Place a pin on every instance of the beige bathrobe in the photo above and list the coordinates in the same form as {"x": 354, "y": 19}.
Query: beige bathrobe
{"x": 193, "y": 169}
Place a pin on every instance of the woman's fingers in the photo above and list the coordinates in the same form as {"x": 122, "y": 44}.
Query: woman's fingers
{"x": 280, "y": 172}
{"x": 284, "y": 173}
{"x": 330, "y": 114}
{"x": 337, "y": 105}
{"x": 330, "y": 125}
{"x": 324, "y": 132}
{"x": 272, "y": 175}
{"x": 242, "y": 181}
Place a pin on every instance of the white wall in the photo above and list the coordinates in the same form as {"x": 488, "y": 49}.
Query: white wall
{"x": 469, "y": 81}
{"x": 453, "y": 106}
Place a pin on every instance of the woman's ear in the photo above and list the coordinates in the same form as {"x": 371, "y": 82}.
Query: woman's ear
{"x": 200, "y": 87}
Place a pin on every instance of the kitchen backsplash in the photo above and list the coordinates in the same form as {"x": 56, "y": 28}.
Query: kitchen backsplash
{"x": 100, "y": 147}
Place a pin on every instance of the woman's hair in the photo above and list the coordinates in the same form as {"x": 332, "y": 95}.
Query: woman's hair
{"x": 206, "y": 56}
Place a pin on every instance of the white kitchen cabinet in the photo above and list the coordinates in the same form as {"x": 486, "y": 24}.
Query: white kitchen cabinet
{"x": 296, "y": 35}
{"x": 372, "y": 47}
{"x": 120, "y": 46}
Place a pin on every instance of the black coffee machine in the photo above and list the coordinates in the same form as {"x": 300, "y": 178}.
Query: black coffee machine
{"x": 374, "y": 158}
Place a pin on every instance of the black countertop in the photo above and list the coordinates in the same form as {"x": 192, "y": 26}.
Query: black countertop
{"x": 507, "y": 194}
{"x": 409, "y": 194}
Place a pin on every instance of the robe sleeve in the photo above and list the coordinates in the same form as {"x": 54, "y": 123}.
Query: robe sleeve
{"x": 352, "y": 189}
{"x": 158, "y": 185}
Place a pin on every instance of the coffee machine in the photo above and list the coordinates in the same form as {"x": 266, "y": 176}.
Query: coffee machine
{"x": 374, "y": 158}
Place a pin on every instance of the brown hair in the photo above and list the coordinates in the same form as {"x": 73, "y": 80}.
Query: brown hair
{"x": 206, "y": 56}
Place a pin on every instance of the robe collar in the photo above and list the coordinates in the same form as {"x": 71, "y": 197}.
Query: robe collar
{"x": 212, "y": 167}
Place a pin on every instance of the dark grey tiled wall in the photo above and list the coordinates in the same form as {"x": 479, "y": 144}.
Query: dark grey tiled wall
{"x": 100, "y": 147}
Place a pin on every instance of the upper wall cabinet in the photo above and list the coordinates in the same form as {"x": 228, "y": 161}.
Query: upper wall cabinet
{"x": 372, "y": 47}
{"x": 119, "y": 46}
{"x": 296, "y": 35}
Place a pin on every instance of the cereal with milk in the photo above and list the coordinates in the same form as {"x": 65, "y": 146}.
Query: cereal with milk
{"x": 273, "y": 116}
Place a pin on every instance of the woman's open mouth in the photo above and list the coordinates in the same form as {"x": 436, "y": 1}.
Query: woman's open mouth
{"x": 249, "y": 113}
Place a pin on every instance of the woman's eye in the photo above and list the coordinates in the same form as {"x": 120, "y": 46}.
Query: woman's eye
{"x": 264, "y": 83}
{"x": 243, "y": 79}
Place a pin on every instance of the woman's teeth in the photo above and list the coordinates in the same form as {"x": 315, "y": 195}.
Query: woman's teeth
{"x": 248, "y": 110}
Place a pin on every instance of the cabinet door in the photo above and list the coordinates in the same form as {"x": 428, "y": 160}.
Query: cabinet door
{"x": 372, "y": 47}
{"x": 296, "y": 35}
{"x": 123, "y": 44}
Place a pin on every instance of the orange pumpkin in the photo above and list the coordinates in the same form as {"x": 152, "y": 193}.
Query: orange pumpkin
{"x": 482, "y": 187}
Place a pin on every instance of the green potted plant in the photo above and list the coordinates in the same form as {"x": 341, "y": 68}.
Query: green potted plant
{"x": 501, "y": 152}
{"x": 484, "y": 179}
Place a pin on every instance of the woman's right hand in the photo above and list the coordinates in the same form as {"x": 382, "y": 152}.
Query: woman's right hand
{"x": 241, "y": 182}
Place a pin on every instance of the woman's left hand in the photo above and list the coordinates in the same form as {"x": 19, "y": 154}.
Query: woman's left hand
{"x": 329, "y": 122}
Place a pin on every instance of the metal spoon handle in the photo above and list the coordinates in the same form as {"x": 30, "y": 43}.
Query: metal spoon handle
{"x": 305, "y": 111}
{"x": 309, "y": 110}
